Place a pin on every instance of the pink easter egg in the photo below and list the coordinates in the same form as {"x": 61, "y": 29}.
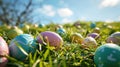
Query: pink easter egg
{"x": 50, "y": 37}
{"x": 3, "y": 52}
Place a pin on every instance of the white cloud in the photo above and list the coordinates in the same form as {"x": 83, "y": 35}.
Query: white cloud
{"x": 47, "y": 10}
{"x": 108, "y": 21}
{"x": 66, "y": 20}
{"x": 119, "y": 18}
{"x": 65, "y": 12}
{"x": 109, "y": 3}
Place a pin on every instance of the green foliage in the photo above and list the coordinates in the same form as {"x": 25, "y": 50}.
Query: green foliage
{"x": 70, "y": 54}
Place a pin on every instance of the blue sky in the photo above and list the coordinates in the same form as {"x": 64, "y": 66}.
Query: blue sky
{"x": 63, "y": 11}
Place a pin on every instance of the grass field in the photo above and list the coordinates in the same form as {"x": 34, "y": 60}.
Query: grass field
{"x": 70, "y": 54}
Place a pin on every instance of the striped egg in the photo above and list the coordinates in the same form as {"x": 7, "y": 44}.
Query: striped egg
{"x": 21, "y": 46}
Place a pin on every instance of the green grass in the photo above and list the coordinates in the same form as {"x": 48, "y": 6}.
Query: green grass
{"x": 69, "y": 55}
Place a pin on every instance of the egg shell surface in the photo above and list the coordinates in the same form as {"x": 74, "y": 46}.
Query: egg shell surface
{"x": 77, "y": 38}
{"x": 3, "y": 51}
{"x": 114, "y": 38}
{"x": 89, "y": 41}
{"x": 93, "y": 25}
{"x": 96, "y": 30}
{"x": 41, "y": 25}
{"x": 94, "y": 35}
{"x": 107, "y": 55}
{"x": 61, "y": 31}
{"x": 51, "y": 37}
{"x": 26, "y": 42}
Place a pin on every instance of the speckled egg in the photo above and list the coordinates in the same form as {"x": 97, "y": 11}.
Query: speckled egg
{"x": 90, "y": 42}
{"x": 61, "y": 31}
{"x": 14, "y": 32}
{"x": 107, "y": 55}
{"x": 114, "y": 38}
{"x": 77, "y": 38}
{"x": 50, "y": 37}
{"x": 93, "y": 25}
{"x": 93, "y": 35}
{"x": 3, "y": 51}
{"x": 22, "y": 45}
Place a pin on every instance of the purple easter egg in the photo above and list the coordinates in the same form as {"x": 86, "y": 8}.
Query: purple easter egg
{"x": 50, "y": 37}
{"x": 3, "y": 52}
{"x": 114, "y": 38}
{"x": 93, "y": 35}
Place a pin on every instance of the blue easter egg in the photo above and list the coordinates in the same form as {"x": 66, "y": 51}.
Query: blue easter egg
{"x": 21, "y": 46}
{"x": 61, "y": 31}
{"x": 107, "y": 55}
{"x": 93, "y": 25}
{"x": 41, "y": 25}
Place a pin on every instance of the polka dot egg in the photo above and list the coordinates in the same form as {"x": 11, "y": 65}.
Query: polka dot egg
{"x": 107, "y": 55}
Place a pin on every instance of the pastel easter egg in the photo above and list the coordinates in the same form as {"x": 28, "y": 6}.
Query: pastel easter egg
{"x": 50, "y": 37}
{"x": 114, "y": 38}
{"x": 93, "y": 25}
{"x": 41, "y": 25}
{"x": 61, "y": 31}
{"x": 58, "y": 27}
{"x": 3, "y": 52}
{"x": 14, "y": 32}
{"x": 96, "y": 30}
{"x": 90, "y": 42}
{"x": 77, "y": 38}
{"x": 107, "y": 55}
{"x": 77, "y": 24}
{"x": 93, "y": 35}
{"x": 35, "y": 25}
{"x": 21, "y": 46}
